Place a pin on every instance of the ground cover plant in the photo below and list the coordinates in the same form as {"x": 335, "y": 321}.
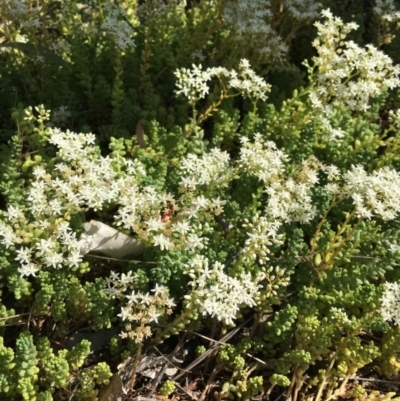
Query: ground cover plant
{"x": 199, "y": 200}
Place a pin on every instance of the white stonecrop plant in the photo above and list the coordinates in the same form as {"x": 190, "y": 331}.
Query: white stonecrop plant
{"x": 84, "y": 180}
{"x": 80, "y": 179}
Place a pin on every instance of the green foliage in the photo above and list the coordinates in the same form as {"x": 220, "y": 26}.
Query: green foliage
{"x": 36, "y": 367}
{"x": 389, "y": 363}
{"x": 76, "y": 357}
{"x": 167, "y": 388}
{"x": 200, "y": 350}
{"x": 86, "y": 301}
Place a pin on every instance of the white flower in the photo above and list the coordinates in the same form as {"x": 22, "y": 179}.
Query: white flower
{"x": 29, "y": 269}
{"x": 160, "y": 291}
{"x": 14, "y": 212}
{"x": 193, "y": 83}
{"x": 193, "y": 241}
{"x": 181, "y": 227}
{"x": 216, "y": 205}
{"x": 134, "y": 297}
{"x": 153, "y": 315}
{"x": 163, "y": 242}
{"x": 9, "y": 237}
{"x": 386, "y": 10}
{"x": 74, "y": 258}
{"x": 200, "y": 202}
{"x": 24, "y": 255}
{"x": 127, "y": 279}
{"x": 125, "y": 313}
{"x": 45, "y": 246}
{"x": 54, "y": 259}
{"x": 154, "y": 224}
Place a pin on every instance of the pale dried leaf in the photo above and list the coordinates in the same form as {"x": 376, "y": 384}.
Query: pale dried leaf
{"x": 102, "y": 238}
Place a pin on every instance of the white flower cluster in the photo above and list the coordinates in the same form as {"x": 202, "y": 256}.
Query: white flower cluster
{"x": 261, "y": 233}
{"x": 135, "y": 201}
{"x": 386, "y": 10}
{"x": 140, "y": 310}
{"x": 193, "y": 83}
{"x": 238, "y": 13}
{"x": 251, "y": 24}
{"x": 60, "y": 115}
{"x": 140, "y": 212}
{"x": 60, "y": 246}
{"x": 247, "y": 83}
{"x": 388, "y": 20}
{"x": 390, "y": 303}
{"x": 262, "y": 158}
{"x": 116, "y": 24}
{"x": 209, "y": 169}
{"x": 331, "y": 133}
{"x": 119, "y": 283}
{"x": 144, "y": 309}
{"x": 347, "y": 73}
{"x": 376, "y": 194}
{"x": 21, "y": 13}
{"x": 289, "y": 199}
{"x": 43, "y": 227}
{"x": 62, "y": 47}
{"x": 303, "y": 9}
{"x": 216, "y": 294}
{"x": 255, "y": 24}
{"x": 84, "y": 179}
